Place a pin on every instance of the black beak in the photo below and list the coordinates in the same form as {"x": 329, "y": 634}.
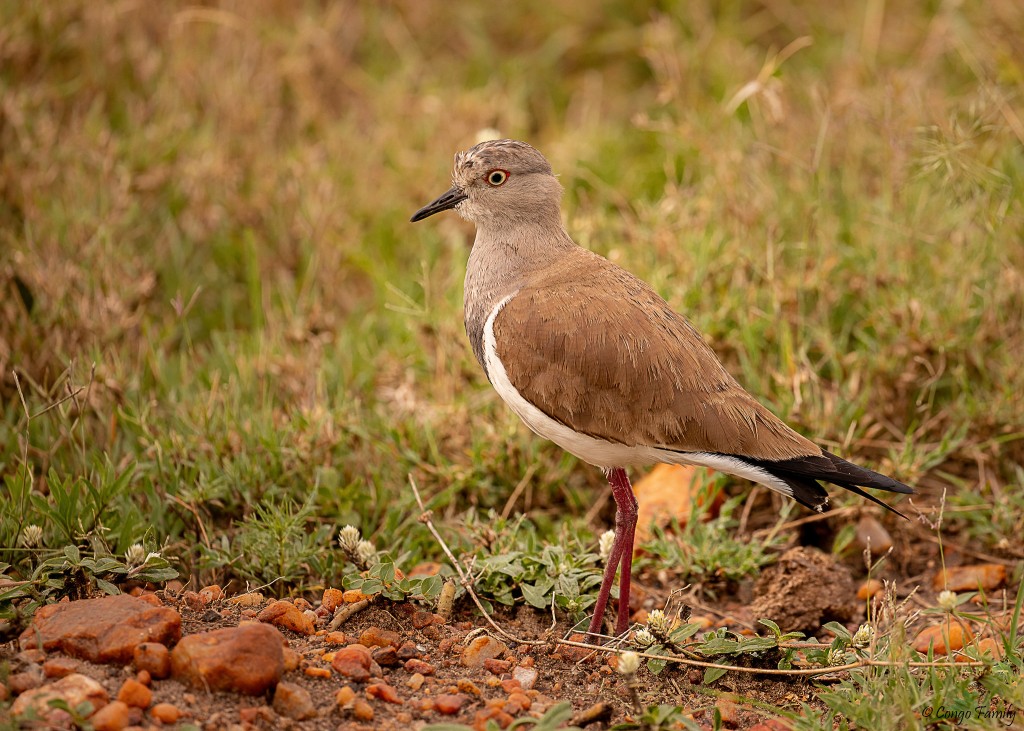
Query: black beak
{"x": 452, "y": 198}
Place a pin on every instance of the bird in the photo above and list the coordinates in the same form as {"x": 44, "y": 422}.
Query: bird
{"x": 590, "y": 357}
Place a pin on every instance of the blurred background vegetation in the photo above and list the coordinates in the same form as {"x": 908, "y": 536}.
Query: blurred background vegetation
{"x": 221, "y": 338}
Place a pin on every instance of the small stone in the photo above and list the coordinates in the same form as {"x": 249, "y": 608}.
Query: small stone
{"x": 144, "y": 677}
{"x": 154, "y": 658}
{"x": 102, "y": 630}
{"x": 257, "y": 714}
{"x": 376, "y": 637}
{"x": 943, "y": 637}
{"x": 421, "y": 619}
{"x": 315, "y": 671}
{"x": 251, "y": 599}
{"x": 497, "y": 667}
{"x": 73, "y": 689}
{"x": 246, "y": 659}
{"x": 59, "y": 667}
{"x": 134, "y": 693}
{"x": 362, "y": 710}
{"x": 32, "y": 656}
{"x": 211, "y": 593}
{"x": 353, "y": 662}
{"x": 353, "y": 595}
{"x": 449, "y": 703}
{"x": 193, "y": 600}
{"x": 335, "y": 638}
{"x": 345, "y": 696}
{"x": 386, "y": 656}
{"x": 112, "y": 717}
{"x": 302, "y": 603}
{"x": 872, "y": 534}
{"x": 729, "y": 711}
{"x": 771, "y": 724}
{"x": 986, "y": 576}
{"x": 415, "y": 681}
{"x": 408, "y": 650}
{"x": 526, "y": 677}
{"x": 385, "y": 692}
{"x": 485, "y": 717}
{"x": 468, "y": 687}
{"x": 519, "y": 701}
{"x": 869, "y": 589}
{"x": 287, "y": 615}
{"x": 293, "y": 701}
{"x": 333, "y": 598}
{"x": 26, "y": 680}
{"x": 427, "y": 568}
{"x": 291, "y": 659}
{"x": 511, "y": 685}
{"x": 166, "y": 712}
{"x": 419, "y": 666}
{"x": 481, "y": 649}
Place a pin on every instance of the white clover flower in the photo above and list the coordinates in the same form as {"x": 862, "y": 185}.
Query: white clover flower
{"x": 658, "y": 623}
{"x": 604, "y": 544}
{"x": 135, "y": 555}
{"x": 862, "y": 637}
{"x": 365, "y": 551}
{"x": 32, "y": 536}
{"x": 836, "y": 656}
{"x": 643, "y": 638}
{"x": 629, "y": 663}
{"x": 348, "y": 538}
{"x": 947, "y": 600}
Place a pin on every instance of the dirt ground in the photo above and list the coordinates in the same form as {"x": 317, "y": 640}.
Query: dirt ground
{"x": 584, "y": 678}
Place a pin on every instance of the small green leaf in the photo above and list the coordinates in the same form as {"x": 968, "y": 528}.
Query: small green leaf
{"x": 713, "y": 674}
{"x": 107, "y": 587}
{"x": 772, "y": 626}
{"x": 534, "y": 596}
{"x": 839, "y": 631}
{"x": 683, "y": 633}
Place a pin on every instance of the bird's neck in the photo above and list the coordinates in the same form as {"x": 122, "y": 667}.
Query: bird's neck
{"x": 503, "y": 257}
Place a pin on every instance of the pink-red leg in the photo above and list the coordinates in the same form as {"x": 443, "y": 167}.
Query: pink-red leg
{"x": 621, "y": 555}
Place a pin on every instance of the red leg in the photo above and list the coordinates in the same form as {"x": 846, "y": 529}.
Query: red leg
{"x": 621, "y": 553}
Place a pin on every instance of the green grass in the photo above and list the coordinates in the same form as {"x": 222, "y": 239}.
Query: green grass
{"x": 228, "y": 338}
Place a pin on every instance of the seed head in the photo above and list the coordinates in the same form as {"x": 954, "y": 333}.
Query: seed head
{"x": 604, "y": 544}
{"x": 947, "y": 600}
{"x": 629, "y": 663}
{"x": 643, "y": 638}
{"x": 348, "y": 538}
{"x": 135, "y": 555}
{"x": 32, "y": 536}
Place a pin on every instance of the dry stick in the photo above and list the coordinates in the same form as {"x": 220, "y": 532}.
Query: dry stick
{"x": 866, "y": 662}
{"x": 468, "y": 585}
{"x": 464, "y": 579}
{"x": 342, "y": 615}
{"x": 523, "y": 483}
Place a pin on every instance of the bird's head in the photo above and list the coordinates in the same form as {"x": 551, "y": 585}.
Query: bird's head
{"x": 502, "y": 181}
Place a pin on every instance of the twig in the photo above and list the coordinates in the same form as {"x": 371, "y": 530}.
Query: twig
{"x": 466, "y": 582}
{"x": 808, "y": 519}
{"x": 344, "y": 613}
{"x": 865, "y": 662}
{"x": 523, "y": 483}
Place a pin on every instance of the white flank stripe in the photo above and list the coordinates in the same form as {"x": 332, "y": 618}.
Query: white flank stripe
{"x": 598, "y": 451}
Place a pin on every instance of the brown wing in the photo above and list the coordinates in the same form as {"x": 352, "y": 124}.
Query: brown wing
{"x": 626, "y": 368}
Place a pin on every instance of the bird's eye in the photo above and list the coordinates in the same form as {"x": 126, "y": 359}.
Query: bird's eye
{"x": 497, "y": 177}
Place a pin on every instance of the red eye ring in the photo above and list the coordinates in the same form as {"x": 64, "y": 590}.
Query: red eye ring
{"x": 497, "y": 177}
